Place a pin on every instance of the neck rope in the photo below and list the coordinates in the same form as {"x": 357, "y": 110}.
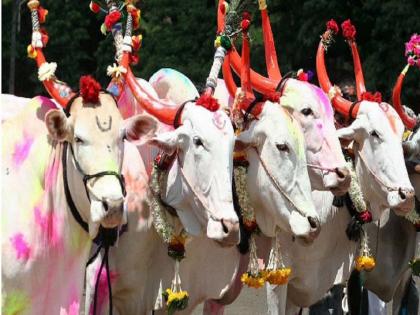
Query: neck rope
{"x": 375, "y": 176}
{"x": 106, "y": 237}
{"x": 278, "y": 186}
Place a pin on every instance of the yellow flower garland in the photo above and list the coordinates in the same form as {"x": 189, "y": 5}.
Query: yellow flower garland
{"x": 366, "y": 263}
{"x": 278, "y": 276}
{"x": 253, "y": 281}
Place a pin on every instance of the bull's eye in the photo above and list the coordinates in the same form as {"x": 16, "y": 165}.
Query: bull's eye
{"x": 78, "y": 140}
{"x": 282, "y": 147}
{"x": 197, "y": 141}
{"x": 374, "y": 134}
{"x": 307, "y": 111}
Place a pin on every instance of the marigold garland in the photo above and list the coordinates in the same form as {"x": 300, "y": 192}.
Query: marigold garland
{"x": 176, "y": 299}
{"x": 365, "y": 261}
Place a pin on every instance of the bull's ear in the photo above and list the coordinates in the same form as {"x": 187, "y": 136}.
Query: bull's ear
{"x": 244, "y": 140}
{"x": 58, "y": 125}
{"x": 171, "y": 140}
{"x": 349, "y": 133}
{"x": 140, "y": 126}
{"x": 166, "y": 141}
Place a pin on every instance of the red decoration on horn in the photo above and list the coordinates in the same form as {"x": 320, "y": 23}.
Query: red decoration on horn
{"x": 408, "y": 121}
{"x": 111, "y": 19}
{"x": 349, "y": 31}
{"x": 372, "y": 97}
{"x": 208, "y": 102}
{"x": 42, "y": 14}
{"x": 89, "y": 89}
{"x": 333, "y": 26}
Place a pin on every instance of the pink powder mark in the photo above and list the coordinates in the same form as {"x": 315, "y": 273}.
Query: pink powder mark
{"x": 102, "y": 295}
{"x": 324, "y": 100}
{"x": 51, "y": 175}
{"x": 22, "y": 150}
{"x": 23, "y": 251}
{"x": 219, "y": 120}
{"x": 73, "y": 309}
{"x": 48, "y": 226}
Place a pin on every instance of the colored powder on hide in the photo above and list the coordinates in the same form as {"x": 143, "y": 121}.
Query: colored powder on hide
{"x": 48, "y": 226}
{"x": 102, "y": 297}
{"x": 15, "y": 303}
{"x": 323, "y": 98}
{"x": 23, "y": 251}
{"x": 22, "y": 150}
{"x": 73, "y": 309}
{"x": 297, "y": 136}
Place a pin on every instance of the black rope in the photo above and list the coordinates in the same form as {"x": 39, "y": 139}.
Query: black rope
{"x": 351, "y": 108}
{"x": 178, "y": 114}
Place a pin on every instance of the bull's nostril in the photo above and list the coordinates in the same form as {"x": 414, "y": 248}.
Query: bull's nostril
{"x": 106, "y": 207}
{"x": 225, "y": 228}
{"x": 339, "y": 173}
{"x": 313, "y": 222}
{"x": 402, "y": 194}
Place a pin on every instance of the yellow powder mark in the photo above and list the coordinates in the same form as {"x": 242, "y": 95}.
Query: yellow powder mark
{"x": 297, "y": 135}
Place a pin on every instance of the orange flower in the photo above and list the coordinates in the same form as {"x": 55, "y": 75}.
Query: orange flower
{"x": 42, "y": 14}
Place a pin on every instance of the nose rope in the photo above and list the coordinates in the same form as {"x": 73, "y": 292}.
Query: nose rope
{"x": 277, "y": 185}
{"x": 376, "y": 177}
{"x": 317, "y": 167}
{"x": 197, "y": 195}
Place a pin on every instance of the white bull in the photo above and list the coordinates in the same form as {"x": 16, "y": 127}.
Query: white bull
{"x": 44, "y": 249}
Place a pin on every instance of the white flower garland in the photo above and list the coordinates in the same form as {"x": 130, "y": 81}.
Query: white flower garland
{"x": 355, "y": 192}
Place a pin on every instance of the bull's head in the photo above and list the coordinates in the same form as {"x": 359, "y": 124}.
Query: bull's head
{"x": 93, "y": 131}
{"x": 309, "y": 105}
{"x": 199, "y": 184}
{"x": 278, "y": 181}
{"x": 377, "y": 132}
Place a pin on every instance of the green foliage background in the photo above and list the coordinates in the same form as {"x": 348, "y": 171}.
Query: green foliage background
{"x": 180, "y": 34}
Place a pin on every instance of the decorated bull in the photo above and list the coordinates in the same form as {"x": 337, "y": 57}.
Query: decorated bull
{"x": 62, "y": 188}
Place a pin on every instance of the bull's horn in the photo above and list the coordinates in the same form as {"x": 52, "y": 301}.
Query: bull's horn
{"x": 164, "y": 110}
{"x": 408, "y": 121}
{"x": 57, "y": 89}
{"x": 260, "y": 83}
{"x": 340, "y": 104}
{"x": 272, "y": 64}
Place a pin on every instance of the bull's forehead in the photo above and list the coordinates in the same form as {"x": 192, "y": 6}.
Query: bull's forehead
{"x": 298, "y": 95}
{"x": 384, "y": 118}
{"x": 96, "y": 121}
{"x": 281, "y": 126}
{"x": 214, "y": 127}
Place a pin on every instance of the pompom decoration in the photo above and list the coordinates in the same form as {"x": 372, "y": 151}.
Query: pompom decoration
{"x": 372, "y": 97}
{"x": 111, "y": 19}
{"x": 412, "y": 51}
{"x": 224, "y": 7}
{"x": 32, "y": 53}
{"x": 302, "y": 75}
{"x": 246, "y": 15}
{"x": 44, "y": 37}
{"x": 365, "y": 216}
{"x": 208, "y": 102}
{"x": 94, "y": 7}
{"x": 245, "y": 25}
{"x": 135, "y": 14}
{"x": 89, "y": 89}
{"x": 136, "y": 42}
{"x": 349, "y": 31}
{"x": 42, "y": 14}
{"x": 333, "y": 26}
